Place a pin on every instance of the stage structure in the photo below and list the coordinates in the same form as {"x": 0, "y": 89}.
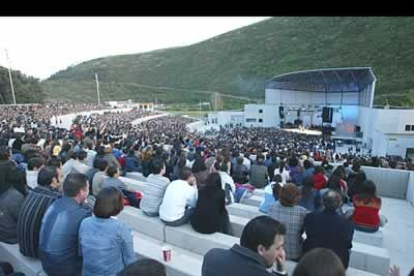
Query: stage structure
{"x": 337, "y": 99}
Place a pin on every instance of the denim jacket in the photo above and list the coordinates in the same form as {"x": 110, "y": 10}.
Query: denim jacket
{"x": 58, "y": 247}
{"x": 106, "y": 245}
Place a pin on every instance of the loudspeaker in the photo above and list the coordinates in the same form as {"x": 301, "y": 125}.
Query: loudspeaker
{"x": 281, "y": 112}
{"x": 327, "y": 114}
{"x": 298, "y": 113}
{"x": 357, "y": 129}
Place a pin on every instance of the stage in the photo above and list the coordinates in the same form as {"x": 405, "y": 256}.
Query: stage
{"x": 303, "y": 131}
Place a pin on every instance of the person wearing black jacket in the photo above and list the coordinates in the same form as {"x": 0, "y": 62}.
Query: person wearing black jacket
{"x": 210, "y": 214}
{"x": 260, "y": 252}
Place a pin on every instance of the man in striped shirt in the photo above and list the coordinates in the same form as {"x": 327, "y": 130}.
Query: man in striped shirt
{"x": 34, "y": 208}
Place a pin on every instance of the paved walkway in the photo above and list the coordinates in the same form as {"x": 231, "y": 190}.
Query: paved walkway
{"x": 398, "y": 233}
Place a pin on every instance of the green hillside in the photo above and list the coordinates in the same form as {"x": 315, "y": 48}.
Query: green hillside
{"x": 238, "y": 62}
{"x": 27, "y": 89}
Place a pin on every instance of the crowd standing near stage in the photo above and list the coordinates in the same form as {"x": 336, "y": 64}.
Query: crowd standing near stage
{"x": 60, "y": 189}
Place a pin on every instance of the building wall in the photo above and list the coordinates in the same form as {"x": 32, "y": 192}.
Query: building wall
{"x": 386, "y": 129}
{"x": 268, "y": 117}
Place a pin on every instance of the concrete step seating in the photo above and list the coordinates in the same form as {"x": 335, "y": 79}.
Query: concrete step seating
{"x": 29, "y": 266}
{"x": 363, "y": 257}
{"x": 136, "y": 176}
{"x": 375, "y": 239}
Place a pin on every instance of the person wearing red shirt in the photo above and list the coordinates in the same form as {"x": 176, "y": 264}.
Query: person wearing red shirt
{"x": 367, "y": 206}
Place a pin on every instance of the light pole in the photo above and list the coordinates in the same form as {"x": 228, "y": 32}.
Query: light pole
{"x": 10, "y": 77}
{"x": 97, "y": 88}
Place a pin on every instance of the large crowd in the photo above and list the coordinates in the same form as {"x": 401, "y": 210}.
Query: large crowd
{"x": 61, "y": 189}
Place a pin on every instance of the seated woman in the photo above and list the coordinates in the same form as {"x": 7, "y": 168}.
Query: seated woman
{"x": 200, "y": 171}
{"x": 292, "y": 216}
{"x": 210, "y": 214}
{"x": 319, "y": 178}
{"x": 271, "y": 193}
{"x": 367, "y": 206}
{"x": 106, "y": 243}
{"x": 310, "y": 198}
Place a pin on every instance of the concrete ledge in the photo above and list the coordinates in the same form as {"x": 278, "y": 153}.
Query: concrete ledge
{"x": 183, "y": 263}
{"x": 135, "y": 184}
{"x": 374, "y": 239}
{"x": 259, "y": 192}
{"x": 29, "y": 266}
{"x": 136, "y": 176}
{"x": 254, "y": 200}
{"x": 187, "y": 238}
{"x": 237, "y": 225}
{"x": 370, "y": 258}
{"x": 245, "y": 211}
{"x": 150, "y": 226}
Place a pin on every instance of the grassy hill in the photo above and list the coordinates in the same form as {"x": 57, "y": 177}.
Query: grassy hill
{"x": 238, "y": 63}
{"x": 27, "y": 89}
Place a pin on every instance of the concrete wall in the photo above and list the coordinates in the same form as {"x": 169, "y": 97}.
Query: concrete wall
{"x": 410, "y": 189}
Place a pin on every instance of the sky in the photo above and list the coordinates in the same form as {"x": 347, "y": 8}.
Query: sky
{"x": 41, "y": 46}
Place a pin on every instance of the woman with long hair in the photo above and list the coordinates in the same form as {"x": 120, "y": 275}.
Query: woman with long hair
{"x": 210, "y": 214}
{"x": 367, "y": 206}
{"x": 283, "y": 172}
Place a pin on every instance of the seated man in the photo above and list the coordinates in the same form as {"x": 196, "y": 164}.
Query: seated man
{"x": 260, "y": 252}
{"x": 58, "y": 247}
{"x": 327, "y": 229}
{"x": 180, "y": 199}
{"x": 34, "y": 208}
{"x": 99, "y": 177}
{"x": 34, "y": 165}
{"x": 154, "y": 189}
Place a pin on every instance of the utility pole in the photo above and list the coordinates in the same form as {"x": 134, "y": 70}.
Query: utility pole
{"x": 10, "y": 77}
{"x": 97, "y": 88}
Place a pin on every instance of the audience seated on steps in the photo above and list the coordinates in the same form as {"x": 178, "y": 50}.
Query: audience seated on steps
{"x": 310, "y": 199}
{"x": 75, "y": 164}
{"x": 34, "y": 165}
{"x": 91, "y": 173}
{"x": 11, "y": 201}
{"x": 106, "y": 243}
{"x": 258, "y": 173}
{"x": 200, "y": 171}
{"x": 132, "y": 162}
{"x": 367, "y": 206}
{"x": 99, "y": 178}
{"x": 154, "y": 189}
{"x": 292, "y": 216}
{"x": 327, "y": 229}
{"x": 283, "y": 172}
{"x": 319, "y": 262}
{"x": 58, "y": 245}
{"x": 319, "y": 178}
{"x": 260, "y": 252}
{"x": 180, "y": 199}
{"x": 113, "y": 181}
{"x": 34, "y": 207}
{"x": 144, "y": 267}
{"x": 240, "y": 172}
{"x": 210, "y": 214}
{"x": 271, "y": 193}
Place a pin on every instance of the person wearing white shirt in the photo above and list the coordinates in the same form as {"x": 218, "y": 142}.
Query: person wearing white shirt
{"x": 180, "y": 199}
{"x": 34, "y": 165}
{"x": 283, "y": 172}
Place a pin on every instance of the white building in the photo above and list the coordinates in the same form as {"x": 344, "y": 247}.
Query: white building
{"x": 348, "y": 92}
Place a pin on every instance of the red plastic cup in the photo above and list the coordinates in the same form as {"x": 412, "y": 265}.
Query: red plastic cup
{"x": 166, "y": 252}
